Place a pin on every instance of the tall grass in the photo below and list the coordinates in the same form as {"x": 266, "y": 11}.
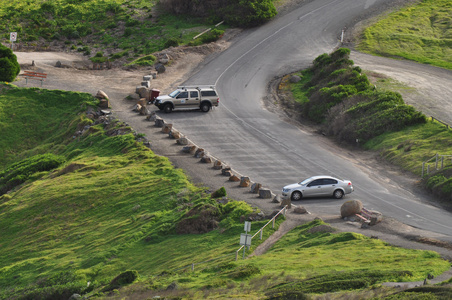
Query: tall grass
{"x": 419, "y": 32}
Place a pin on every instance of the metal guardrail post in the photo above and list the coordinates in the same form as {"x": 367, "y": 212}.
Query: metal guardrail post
{"x": 260, "y": 237}
{"x": 273, "y": 223}
{"x": 284, "y": 211}
{"x": 192, "y": 267}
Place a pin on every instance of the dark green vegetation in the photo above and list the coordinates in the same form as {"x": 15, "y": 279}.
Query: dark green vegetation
{"x": 126, "y": 29}
{"x": 340, "y": 97}
{"x": 9, "y": 67}
{"x": 239, "y": 13}
{"x": 92, "y": 205}
{"x": 420, "y": 32}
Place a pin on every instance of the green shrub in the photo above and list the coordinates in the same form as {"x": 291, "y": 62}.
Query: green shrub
{"x": 128, "y": 32}
{"x": 171, "y": 42}
{"x": 132, "y": 22}
{"x": 120, "y": 54}
{"x": 9, "y": 67}
{"x": 236, "y": 209}
{"x": 248, "y": 13}
{"x": 148, "y": 60}
{"x": 244, "y": 271}
{"x": 212, "y": 35}
{"x": 221, "y": 192}
{"x": 122, "y": 279}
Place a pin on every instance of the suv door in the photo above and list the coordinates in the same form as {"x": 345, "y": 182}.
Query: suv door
{"x": 182, "y": 100}
{"x": 193, "y": 101}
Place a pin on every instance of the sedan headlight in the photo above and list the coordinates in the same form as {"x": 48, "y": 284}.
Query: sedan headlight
{"x": 285, "y": 190}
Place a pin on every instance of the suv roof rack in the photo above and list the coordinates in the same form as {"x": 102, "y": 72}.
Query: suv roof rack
{"x": 195, "y": 86}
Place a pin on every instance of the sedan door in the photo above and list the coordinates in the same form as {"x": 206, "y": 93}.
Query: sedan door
{"x": 313, "y": 189}
{"x": 328, "y": 186}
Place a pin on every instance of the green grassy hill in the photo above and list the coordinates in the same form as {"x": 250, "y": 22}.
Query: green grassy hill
{"x": 420, "y": 32}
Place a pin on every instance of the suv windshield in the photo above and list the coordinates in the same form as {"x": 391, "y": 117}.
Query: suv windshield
{"x": 174, "y": 94}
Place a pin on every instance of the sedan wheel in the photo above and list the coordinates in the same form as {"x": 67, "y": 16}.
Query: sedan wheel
{"x": 338, "y": 194}
{"x": 296, "y": 196}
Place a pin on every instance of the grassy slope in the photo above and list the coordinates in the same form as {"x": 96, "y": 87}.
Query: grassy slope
{"x": 113, "y": 205}
{"x": 421, "y": 32}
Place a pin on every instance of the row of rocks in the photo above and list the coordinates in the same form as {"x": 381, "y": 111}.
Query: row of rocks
{"x": 204, "y": 157}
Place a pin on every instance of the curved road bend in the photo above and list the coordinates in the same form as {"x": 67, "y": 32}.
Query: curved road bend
{"x": 257, "y": 143}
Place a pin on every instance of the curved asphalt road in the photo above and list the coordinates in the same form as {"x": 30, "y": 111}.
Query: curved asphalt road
{"x": 257, "y": 143}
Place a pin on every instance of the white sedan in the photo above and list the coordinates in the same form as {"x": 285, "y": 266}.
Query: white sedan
{"x": 317, "y": 186}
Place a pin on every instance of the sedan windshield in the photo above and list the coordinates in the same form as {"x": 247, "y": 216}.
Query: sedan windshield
{"x": 306, "y": 181}
{"x": 174, "y": 94}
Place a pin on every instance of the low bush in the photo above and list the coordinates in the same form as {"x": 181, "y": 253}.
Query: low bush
{"x": 9, "y": 67}
{"x": 122, "y": 279}
{"x": 244, "y": 271}
{"x": 172, "y": 42}
{"x": 212, "y": 35}
{"x": 221, "y": 192}
{"x": 148, "y": 60}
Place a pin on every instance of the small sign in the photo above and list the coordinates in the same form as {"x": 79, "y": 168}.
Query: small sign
{"x": 13, "y": 36}
{"x": 247, "y": 227}
{"x": 245, "y": 239}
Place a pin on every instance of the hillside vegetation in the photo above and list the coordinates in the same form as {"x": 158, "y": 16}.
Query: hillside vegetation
{"x": 123, "y": 29}
{"x": 338, "y": 96}
{"x": 420, "y": 32}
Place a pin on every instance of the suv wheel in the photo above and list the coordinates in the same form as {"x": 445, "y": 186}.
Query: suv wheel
{"x": 205, "y": 107}
{"x": 168, "y": 108}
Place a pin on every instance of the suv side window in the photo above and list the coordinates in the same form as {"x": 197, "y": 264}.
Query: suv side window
{"x": 182, "y": 95}
{"x": 194, "y": 94}
{"x": 208, "y": 93}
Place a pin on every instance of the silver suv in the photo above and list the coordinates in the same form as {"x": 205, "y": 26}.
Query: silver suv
{"x": 189, "y": 97}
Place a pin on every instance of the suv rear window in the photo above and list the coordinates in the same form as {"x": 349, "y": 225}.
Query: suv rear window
{"x": 208, "y": 93}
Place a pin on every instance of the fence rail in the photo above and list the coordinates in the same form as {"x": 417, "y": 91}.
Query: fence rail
{"x": 282, "y": 211}
{"x": 438, "y": 159}
{"x": 272, "y": 220}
